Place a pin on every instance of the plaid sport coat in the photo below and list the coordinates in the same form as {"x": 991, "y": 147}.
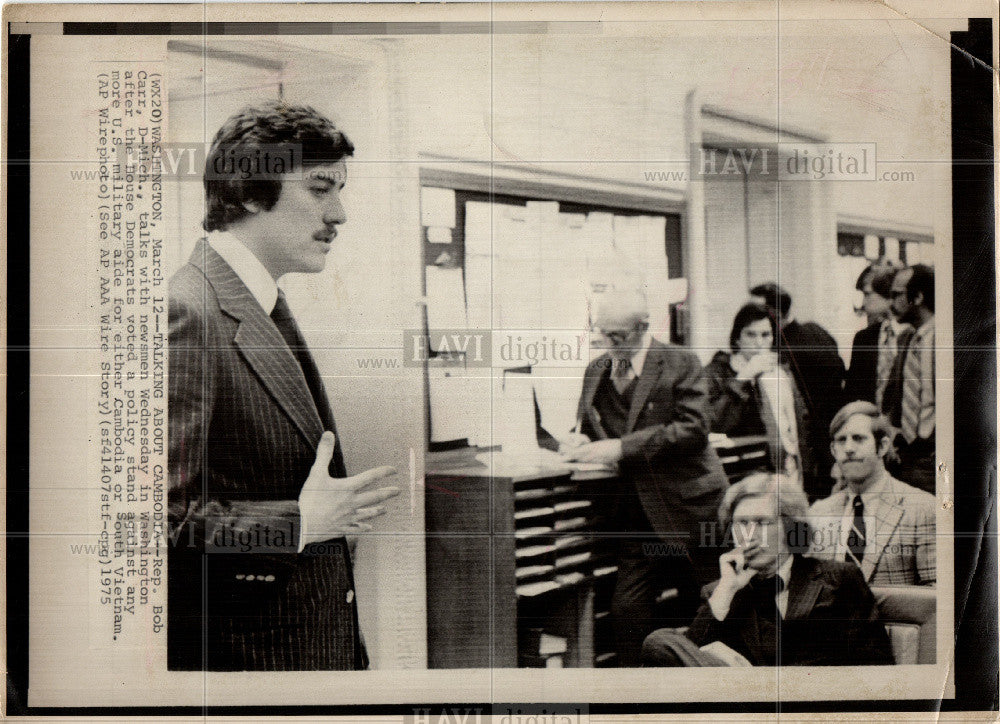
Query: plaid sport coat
{"x": 901, "y": 549}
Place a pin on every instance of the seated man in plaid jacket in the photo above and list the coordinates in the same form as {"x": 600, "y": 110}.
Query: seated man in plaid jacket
{"x": 881, "y": 524}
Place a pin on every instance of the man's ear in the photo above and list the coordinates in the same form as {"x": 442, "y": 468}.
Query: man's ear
{"x": 252, "y": 206}
{"x": 918, "y": 299}
{"x": 884, "y": 446}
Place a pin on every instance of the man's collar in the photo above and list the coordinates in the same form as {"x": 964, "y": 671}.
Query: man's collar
{"x": 247, "y": 267}
{"x": 924, "y": 328}
{"x": 639, "y": 356}
{"x": 785, "y": 570}
{"x": 896, "y": 325}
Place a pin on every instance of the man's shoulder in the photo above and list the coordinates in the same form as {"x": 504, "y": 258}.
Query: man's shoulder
{"x": 868, "y": 335}
{"x": 830, "y": 571}
{"x": 815, "y": 332}
{"x": 189, "y": 287}
{"x": 914, "y": 500}
{"x": 720, "y": 363}
{"x": 672, "y": 353}
{"x": 834, "y": 502}
{"x": 185, "y": 276}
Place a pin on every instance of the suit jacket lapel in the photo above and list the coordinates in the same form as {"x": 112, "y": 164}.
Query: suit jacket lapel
{"x": 803, "y": 589}
{"x": 647, "y": 380}
{"x": 591, "y": 379}
{"x": 261, "y": 344}
{"x": 887, "y": 515}
{"x": 752, "y": 636}
{"x": 893, "y": 396}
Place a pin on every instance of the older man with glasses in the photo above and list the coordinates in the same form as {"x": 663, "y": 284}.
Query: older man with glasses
{"x": 644, "y": 409}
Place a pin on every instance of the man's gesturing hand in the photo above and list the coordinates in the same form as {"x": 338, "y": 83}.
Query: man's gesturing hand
{"x": 334, "y": 507}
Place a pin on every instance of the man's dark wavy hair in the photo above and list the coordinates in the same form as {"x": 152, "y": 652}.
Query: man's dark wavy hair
{"x": 774, "y": 296}
{"x": 244, "y": 135}
{"x": 921, "y": 282}
{"x": 880, "y": 275}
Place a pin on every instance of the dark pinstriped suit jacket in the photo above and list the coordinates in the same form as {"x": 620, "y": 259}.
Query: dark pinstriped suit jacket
{"x": 243, "y": 435}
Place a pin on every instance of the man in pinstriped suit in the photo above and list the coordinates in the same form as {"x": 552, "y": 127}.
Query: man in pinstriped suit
{"x": 260, "y": 575}
{"x": 884, "y": 526}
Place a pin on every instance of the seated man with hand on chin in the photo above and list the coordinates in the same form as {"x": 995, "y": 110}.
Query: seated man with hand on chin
{"x": 772, "y": 606}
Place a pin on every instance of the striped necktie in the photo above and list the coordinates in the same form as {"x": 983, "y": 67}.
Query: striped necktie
{"x": 913, "y": 411}
{"x": 886, "y": 355}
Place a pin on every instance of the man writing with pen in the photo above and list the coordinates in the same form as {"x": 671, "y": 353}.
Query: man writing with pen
{"x": 643, "y": 408}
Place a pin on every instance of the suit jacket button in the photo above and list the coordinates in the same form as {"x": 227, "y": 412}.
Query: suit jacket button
{"x": 240, "y": 576}
{"x": 250, "y": 577}
{"x": 269, "y": 578}
{"x": 350, "y": 596}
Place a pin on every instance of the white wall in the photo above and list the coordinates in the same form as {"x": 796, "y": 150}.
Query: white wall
{"x": 613, "y": 107}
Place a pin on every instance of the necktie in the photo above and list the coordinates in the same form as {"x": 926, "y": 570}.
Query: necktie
{"x": 913, "y": 410}
{"x": 621, "y": 373}
{"x": 282, "y": 317}
{"x": 766, "y": 590}
{"x": 856, "y": 538}
{"x": 886, "y": 355}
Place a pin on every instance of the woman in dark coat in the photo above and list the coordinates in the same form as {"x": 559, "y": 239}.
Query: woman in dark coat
{"x": 750, "y": 393}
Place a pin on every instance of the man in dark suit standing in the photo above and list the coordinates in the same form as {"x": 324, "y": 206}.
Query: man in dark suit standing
{"x": 811, "y": 354}
{"x": 771, "y": 606}
{"x": 874, "y": 348}
{"x": 260, "y": 575}
{"x": 643, "y": 407}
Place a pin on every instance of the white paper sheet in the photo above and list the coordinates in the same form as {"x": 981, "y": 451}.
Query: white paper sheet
{"x": 449, "y": 401}
{"x": 437, "y": 207}
{"x": 439, "y": 235}
{"x": 514, "y": 415}
{"x": 445, "y": 299}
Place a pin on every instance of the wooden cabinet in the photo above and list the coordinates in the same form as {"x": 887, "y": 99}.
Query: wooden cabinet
{"x": 517, "y": 567}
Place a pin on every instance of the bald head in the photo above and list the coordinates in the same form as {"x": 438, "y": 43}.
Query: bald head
{"x": 620, "y": 311}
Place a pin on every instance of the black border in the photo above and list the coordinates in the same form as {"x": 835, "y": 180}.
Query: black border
{"x": 976, "y": 655}
{"x": 18, "y": 363}
{"x": 974, "y": 283}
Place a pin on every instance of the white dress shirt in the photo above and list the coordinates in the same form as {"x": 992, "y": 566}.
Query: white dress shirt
{"x": 784, "y": 572}
{"x": 637, "y": 360}
{"x": 247, "y": 267}
{"x": 868, "y": 498}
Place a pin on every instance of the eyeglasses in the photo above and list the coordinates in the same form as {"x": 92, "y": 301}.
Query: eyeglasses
{"x": 615, "y": 335}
